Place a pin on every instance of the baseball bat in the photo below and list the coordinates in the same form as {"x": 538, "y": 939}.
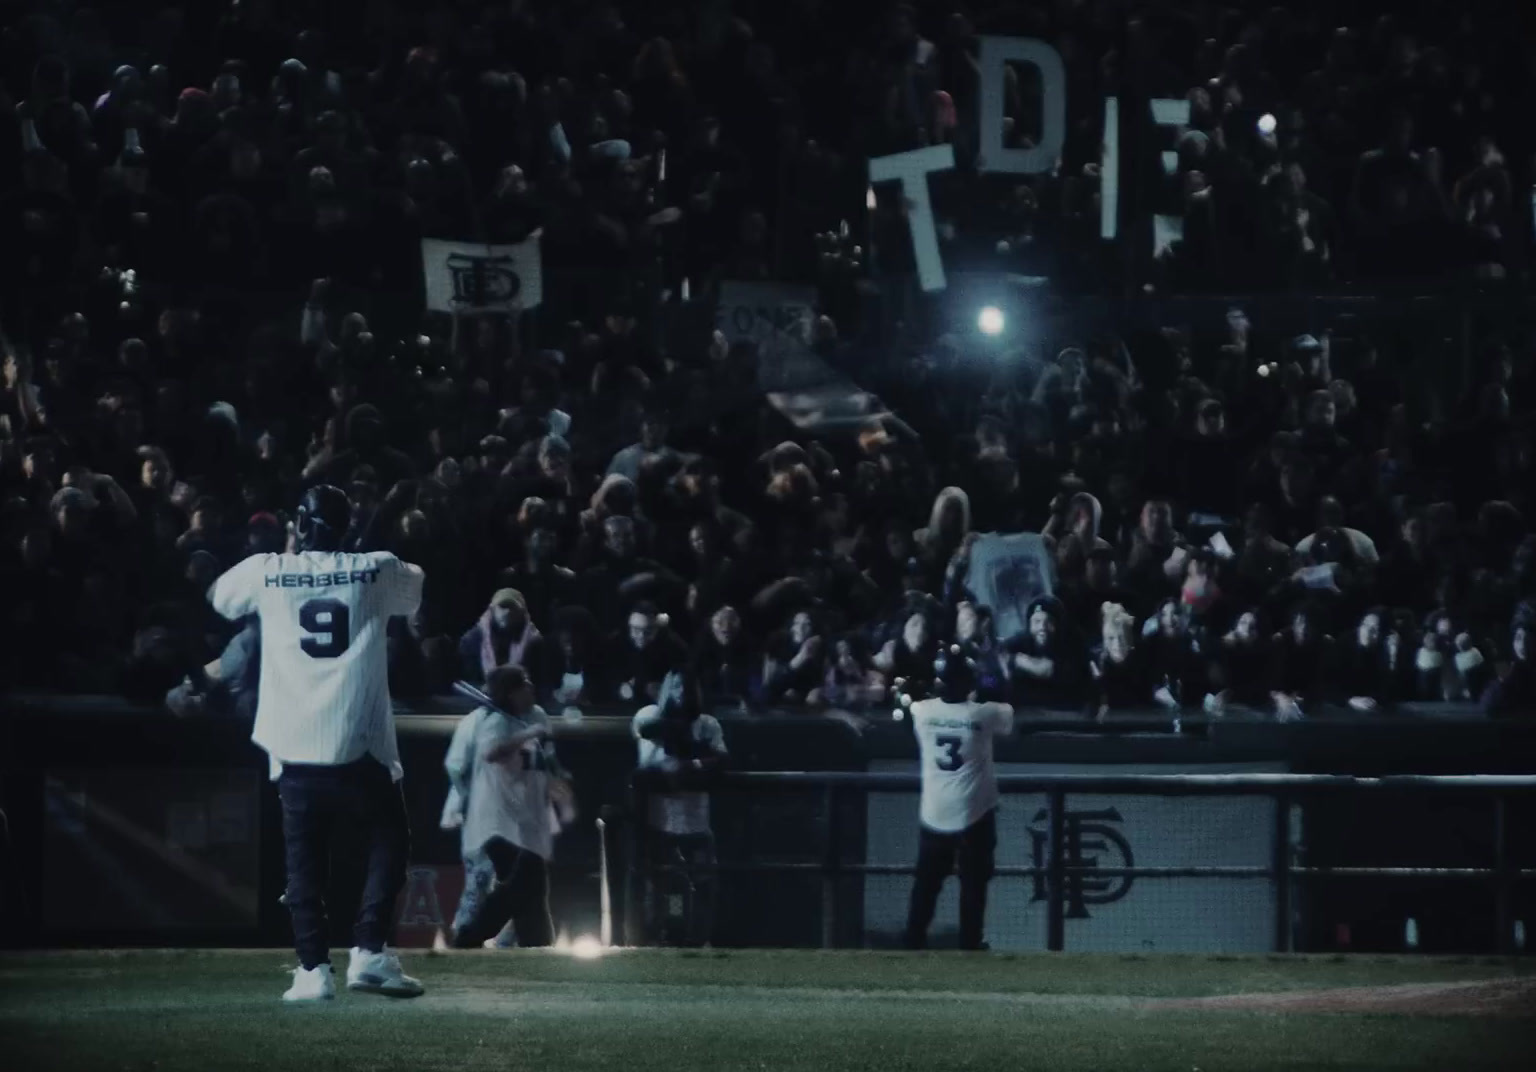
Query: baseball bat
{"x": 464, "y": 688}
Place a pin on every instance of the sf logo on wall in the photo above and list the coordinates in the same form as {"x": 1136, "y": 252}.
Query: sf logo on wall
{"x": 1088, "y": 842}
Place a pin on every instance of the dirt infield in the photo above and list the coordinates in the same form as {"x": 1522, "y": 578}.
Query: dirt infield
{"x": 1502, "y": 998}
{"x": 1511, "y": 998}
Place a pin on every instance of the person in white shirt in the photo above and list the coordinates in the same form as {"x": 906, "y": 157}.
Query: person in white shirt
{"x": 958, "y": 808}
{"x": 676, "y": 738}
{"x": 325, "y": 720}
{"x": 506, "y": 786}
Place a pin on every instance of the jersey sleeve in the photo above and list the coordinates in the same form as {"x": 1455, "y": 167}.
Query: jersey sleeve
{"x": 1002, "y": 718}
{"x": 460, "y": 759}
{"x": 650, "y": 753}
{"x": 233, "y": 595}
{"x": 714, "y": 736}
{"x": 647, "y": 716}
{"x": 402, "y": 583}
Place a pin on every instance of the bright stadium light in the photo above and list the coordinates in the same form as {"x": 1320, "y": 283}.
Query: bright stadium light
{"x": 990, "y": 320}
{"x": 586, "y": 948}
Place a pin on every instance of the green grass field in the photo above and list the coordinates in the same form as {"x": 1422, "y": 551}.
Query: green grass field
{"x": 640, "y": 1010}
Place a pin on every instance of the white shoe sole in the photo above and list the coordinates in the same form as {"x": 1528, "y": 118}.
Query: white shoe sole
{"x": 307, "y": 999}
{"x": 363, "y": 986}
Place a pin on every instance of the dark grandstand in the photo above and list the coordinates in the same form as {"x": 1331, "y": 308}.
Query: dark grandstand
{"x": 213, "y": 297}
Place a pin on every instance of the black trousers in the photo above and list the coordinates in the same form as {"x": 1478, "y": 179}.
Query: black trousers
{"x": 680, "y": 869}
{"x": 975, "y": 848}
{"x": 504, "y": 883}
{"x": 316, "y": 800}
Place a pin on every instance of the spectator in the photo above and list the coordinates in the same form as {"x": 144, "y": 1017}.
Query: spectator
{"x": 365, "y": 445}
{"x": 1201, "y": 595}
{"x": 207, "y": 532}
{"x": 1450, "y": 666}
{"x": 570, "y": 677}
{"x": 976, "y": 633}
{"x": 1047, "y": 667}
{"x": 795, "y": 662}
{"x": 1410, "y": 570}
{"x": 1302, "y": 661}
{"x": 622, "y": 577}
{"x": 504, "y": 636}
{"x": 728, "y": 669}
{"x": 907, "y": 662}
{"x": 676, "y": 736}
{"x": 1079, "y": 539}
{"x": 654, "y": 427}
{"x": 716, "y": 579}
{"x": 1100, "y": 585}
{"x": 948, "y": 524}
{"x": 544, "y": 584}
{"x": 851, "y": 682}
{"x": 20, "y": 400}
{"x": 1173, "y": 661}
{"x": 1121, "y": 676}
{"x": 1293, "y": 506}
{"x": 1242, "y": 667}
{"x": 1513, "y": 689}
{"x": 641, "y": 657}
{"x": 1373, "y": 675}
{"x": 1156, "y": 554}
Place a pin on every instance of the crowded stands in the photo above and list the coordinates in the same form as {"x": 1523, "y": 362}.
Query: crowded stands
{"x": 213, "y": 298}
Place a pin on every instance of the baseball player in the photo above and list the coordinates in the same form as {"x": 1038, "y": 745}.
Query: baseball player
{"x": 323, "y": 716}
{"x": 507, "y": 784}
{"x": 958, "y": 808}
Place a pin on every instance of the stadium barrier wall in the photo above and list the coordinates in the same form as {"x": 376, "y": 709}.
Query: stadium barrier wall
{"x": 1072, "y": 878}
{"x": 130, "y": 827}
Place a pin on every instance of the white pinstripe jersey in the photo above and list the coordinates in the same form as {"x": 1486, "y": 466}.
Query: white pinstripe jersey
{"x": 324, "y": 690}
{"x": 507, "y": 799}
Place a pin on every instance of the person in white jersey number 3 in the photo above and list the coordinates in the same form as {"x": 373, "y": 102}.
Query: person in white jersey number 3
{"x": 324, "y": 717}
{"x": 958, "y": 808}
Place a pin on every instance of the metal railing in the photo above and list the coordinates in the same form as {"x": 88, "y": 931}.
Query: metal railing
{"x": 1060, "y": 871}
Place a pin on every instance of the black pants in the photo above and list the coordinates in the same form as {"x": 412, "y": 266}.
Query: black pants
{"x": 680, "y": 869}
{"x": 504, "y": 883}
{"x": 975, "y": 847}
{"x": 316, "y": 799}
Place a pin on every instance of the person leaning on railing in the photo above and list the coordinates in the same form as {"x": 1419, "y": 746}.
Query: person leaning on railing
{"x": 677, "y": 741}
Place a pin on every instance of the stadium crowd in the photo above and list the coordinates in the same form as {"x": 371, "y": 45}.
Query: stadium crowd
{"x": 211, "y": 226}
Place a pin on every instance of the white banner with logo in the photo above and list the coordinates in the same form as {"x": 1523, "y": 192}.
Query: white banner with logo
{"x": 468, "y": 276}
{"x": 1103, "y": 915}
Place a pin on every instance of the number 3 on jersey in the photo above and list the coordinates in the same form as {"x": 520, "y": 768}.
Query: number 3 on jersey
{"x": 951, "y": 760}
{"x": 329, "y": 625}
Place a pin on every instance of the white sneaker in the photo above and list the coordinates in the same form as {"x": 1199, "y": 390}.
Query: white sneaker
{"x": 316, "y": 984}
{"x": 380, "y": 973}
